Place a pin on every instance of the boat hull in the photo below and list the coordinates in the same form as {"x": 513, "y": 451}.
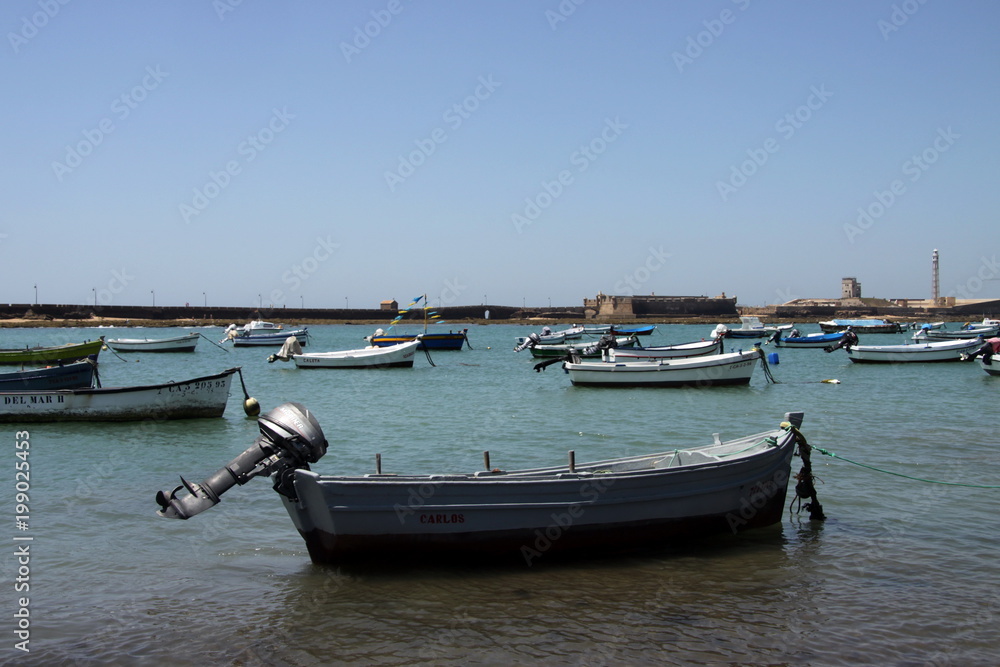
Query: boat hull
{"x": 680, "y": 351}
{"x": 928, "y": 352}
{"x": 428, "y": 341}
{"x": 395, "y": 356}
{"x": 562, "y": 350}
{"x": 70, "y": 376}
{"x": 60, "y": 353}
{"x": 812, "y": 340}
{"x": 960, "y": 334}
{"x": 529, "y": 515}
{"x": 990, "y": 368}
{"x": 200, "y": 397}
{"x": 734, "y": 368}
{"x": 186, "y": 343}
{"x": 861, "y": 326}
{"x": 642, "y": 330}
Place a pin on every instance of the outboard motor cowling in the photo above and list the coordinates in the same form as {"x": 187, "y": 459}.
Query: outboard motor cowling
{"x": 290, "y": 438}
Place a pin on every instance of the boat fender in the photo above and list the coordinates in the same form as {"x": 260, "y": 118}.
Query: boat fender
{"x": 772, "y": 358}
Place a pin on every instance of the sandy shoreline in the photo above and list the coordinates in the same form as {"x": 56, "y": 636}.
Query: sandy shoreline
{"x": 120, "y": 322}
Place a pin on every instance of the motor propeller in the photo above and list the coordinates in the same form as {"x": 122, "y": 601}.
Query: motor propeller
{"x": 290, "y": 438}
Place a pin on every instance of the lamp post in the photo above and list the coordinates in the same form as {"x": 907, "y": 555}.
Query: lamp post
{"x": 347, "y": 304}
{"x": 36, "y": 295}
{"x": 95, "y": 296}
{"x": 154, "y": 297}
{"x": 302, "y": 302}
{"x": 260, "y": 302}
{"x": 205, "y": 296}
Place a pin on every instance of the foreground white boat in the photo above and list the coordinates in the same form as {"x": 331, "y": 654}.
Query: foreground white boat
{"x": 394, "y": 356}
{"x": 185, "y": 343}
{"x": 200, "y": 397}
{"x": 990, "y": 367}
{"x": 947, "y": 350}
{"x": 667, "y": 498}
{"x": 712, "y": 370}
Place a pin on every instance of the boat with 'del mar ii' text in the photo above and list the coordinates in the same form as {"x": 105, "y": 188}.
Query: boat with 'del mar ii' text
{"x": 199, "y": 397}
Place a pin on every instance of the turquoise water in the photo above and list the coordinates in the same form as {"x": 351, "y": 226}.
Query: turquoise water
{"x": 903, "y": 572}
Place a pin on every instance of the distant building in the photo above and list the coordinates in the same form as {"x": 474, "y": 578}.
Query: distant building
{"x": 632, "y": 306}
{"x": 850, "y": 288}
{"x": 389, "y": 304}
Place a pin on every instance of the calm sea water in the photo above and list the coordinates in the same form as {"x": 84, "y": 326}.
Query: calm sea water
{"x": 903, "y": 572}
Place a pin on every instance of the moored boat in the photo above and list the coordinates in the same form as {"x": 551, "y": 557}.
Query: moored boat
{"x": 635, "y": 330}
{"x": 731, "y": 368}
{"x": 866, "y": 325}
{"x": 451, "y": 340}
{"x": 750, "y": 327}
{"x": 809, "y": 340}
{"x": 392, "y": 356}
{"x": 54, "y": 354}
{"x": 583, "y": 349}
{"x": 64, "y": 376}
{"x": 611, "y": 505}
{"x": 947, "y": 350}
{"x": 966, "y": 332}
{"x": 697, "y": 348}
{"x": 185, "y": 343}
{"x": 199, "y": 397}
{"x": 266, "y": 338}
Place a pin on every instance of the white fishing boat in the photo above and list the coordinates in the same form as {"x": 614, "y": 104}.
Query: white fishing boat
{"x": 946, "y": 350}
{"x": 521, "y": 342}
{"x": 199, "y": 397}
{"x": 966, "y": 332}
{"x": 698, "y": 348}
{"x": 393, "y": 356}
{"x": 732, "y": 368}
{"x": 588, "y": 348}
{"x": 750, "y": 327}
{"x": 185, "y": 343}
{"x": 686, "y": 490}
{"x": 864, "y": 325}
{"x": 260, "y": 338}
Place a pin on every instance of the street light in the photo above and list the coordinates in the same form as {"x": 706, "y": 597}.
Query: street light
{"x": 302, "y": 302}
{"x": 206, "y": 299}
{"x": 154, "y": 297}
{"x": 347, "y": 304}
{"x": 95, "y": 296}
{"x": 36, "y": 295}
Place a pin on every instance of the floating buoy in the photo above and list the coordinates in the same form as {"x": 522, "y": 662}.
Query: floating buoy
{"x": 834, "y": 381}
{"x": 251, "y": 407}
{"x": 772, "y": 358}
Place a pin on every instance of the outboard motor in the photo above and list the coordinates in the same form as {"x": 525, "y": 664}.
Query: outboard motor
{"x": 531, "y": 341}
{"x": 289, "y": 348}
{"x": 850, "y": 339}
{"x": 290, "y": 438}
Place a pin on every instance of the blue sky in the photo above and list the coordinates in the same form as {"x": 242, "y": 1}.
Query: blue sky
{"x": 328, "y": 154}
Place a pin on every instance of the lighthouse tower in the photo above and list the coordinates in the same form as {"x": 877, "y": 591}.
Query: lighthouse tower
{"x": 935, "y": 280}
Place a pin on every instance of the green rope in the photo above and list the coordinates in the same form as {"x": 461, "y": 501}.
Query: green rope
{"x": 897, "y": 474}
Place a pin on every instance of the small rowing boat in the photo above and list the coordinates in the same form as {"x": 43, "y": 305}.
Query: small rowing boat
{"x": 185, "y": 343}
